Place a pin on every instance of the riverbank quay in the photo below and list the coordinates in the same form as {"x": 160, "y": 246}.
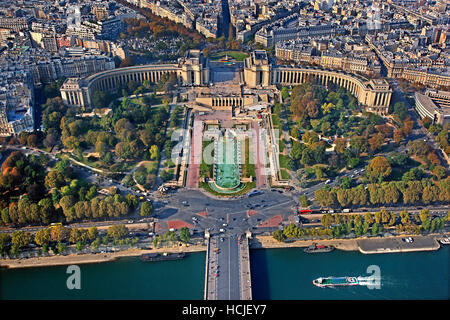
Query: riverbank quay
{"x": 364, "y": 245}
{"x": 268, "y": 242}
{"x": 59, "y": 260}
{"x": 397, "y": 245}
{"x": 393, "y": 244}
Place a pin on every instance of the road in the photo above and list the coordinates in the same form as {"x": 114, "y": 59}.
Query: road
{"x": 228, "y": 281}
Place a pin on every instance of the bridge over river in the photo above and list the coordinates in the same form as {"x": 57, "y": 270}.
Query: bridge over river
{"x": 227, "y": 275}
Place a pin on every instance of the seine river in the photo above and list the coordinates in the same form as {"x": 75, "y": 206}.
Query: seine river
{"x": 276, "y": 274}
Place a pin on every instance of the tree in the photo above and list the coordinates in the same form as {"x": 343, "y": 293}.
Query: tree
{"x": 368, "y": 217}
{"x": 184, "y": 235}
{"x": 430, "y": 194}
{"x": 296, "y": 150}
{"x": 407, "y": 127}
{"x": 358, "y": 144}
{"x": 92, "y": 233}
{"x": 290, "y": 231}
{"x": 166, "y": 175}
{"x": 5, "y": 239}
{"x": 439, "y": 172}
{"x": 100, "y": 99}
{"x": 278, "y": 235}
{"x": 413, "y": 192}
{"x": 346, "y": 182}
{"x": 379, "y": 166}
{"x": 303, "y": 201}
{"x": 147, "y": 209}
{"x": 171, "y": 236}
{"x": 71, "y": 143}
{"x": 20, "y": 239}
{"x": 117, "y": 232}
{"x": 131, "y": 200}
{"x": 154, "y": 152}
{"x": 54, "y": 179}
{"x": 341, "y": 144}
{"x": 376, "y": 141}
{"x": 398, "y": 136}
{"x": 79, "y": 245}
{"x": 376, "y": 228}
{"x": 400, "y": 110}
{"x": 156, "y": 241}
{"x": 327, "y": 220}
{"x": 43, "y": 237}
{"x": 61, "y": 247}
{"x": 123, "y": 150}
{"x": 307, "y": 157}
{"x": 295, "y": 133}
{"x": 404, "y": 217}
{"x": 59, "y": 233}
{"x": 78, "y": 235}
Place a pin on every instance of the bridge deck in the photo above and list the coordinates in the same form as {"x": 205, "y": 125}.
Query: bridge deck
{"x": 228, "y": 269}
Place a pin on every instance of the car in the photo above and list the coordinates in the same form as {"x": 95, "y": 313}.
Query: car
{"x": 225, "y": 224}
{"x": 221, "y": 239}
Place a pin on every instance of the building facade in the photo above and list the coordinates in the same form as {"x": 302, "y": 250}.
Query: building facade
{"x": 78, "y": 92}
{"x": 434, "y": 105}
{"x": 193, "y": 69}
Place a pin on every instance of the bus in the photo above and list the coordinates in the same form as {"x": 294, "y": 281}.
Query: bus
{"x": 305, "y": 211}
{"x": 55, "y": 224}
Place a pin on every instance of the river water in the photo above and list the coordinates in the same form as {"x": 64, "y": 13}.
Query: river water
{"x": 276, "y": 274}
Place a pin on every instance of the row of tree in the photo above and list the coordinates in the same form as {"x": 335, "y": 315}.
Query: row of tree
{"x": 58, "y": 236}
{"x": 338, "y": 225}
{"x": 412, "y": 192}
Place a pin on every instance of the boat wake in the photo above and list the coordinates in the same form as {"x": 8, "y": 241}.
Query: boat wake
{"x": 371, "y": 282}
